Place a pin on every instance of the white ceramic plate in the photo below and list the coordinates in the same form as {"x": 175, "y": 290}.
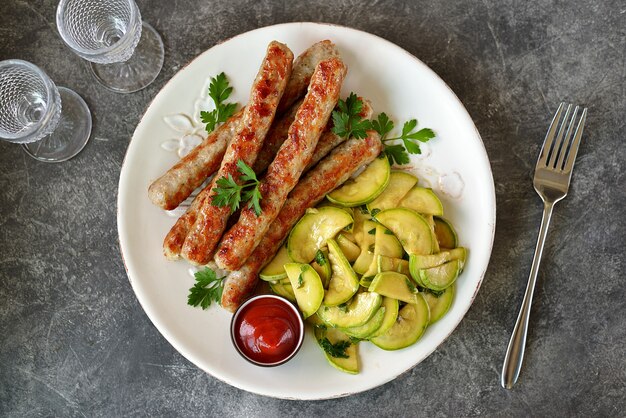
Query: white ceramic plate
{"x": 396, "y": 83}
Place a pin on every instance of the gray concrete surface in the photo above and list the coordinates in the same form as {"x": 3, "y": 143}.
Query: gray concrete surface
{"x": 75, "y": 342}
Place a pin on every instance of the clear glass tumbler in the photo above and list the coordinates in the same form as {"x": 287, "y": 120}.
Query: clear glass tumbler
{"x": 52, "y": 123}
{"x": 125, "y": 53}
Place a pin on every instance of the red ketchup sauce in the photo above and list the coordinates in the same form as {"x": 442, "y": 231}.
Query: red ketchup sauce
{"x": 267, "y": 330}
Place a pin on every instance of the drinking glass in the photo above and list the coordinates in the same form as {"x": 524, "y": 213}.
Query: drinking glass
{"x": 125, "y": 53}
{"x": 52, "y": 123}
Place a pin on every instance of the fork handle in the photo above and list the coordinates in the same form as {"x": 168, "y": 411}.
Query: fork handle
{"x": 515, "y": 351}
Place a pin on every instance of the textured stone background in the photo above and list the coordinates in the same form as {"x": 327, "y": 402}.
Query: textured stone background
{"x": 74, "y": 341}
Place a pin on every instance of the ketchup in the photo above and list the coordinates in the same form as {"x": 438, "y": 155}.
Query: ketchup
{"x": 267, "y": 330}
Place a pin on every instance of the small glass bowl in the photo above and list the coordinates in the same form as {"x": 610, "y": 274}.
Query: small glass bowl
{"x": 259, "y": 325}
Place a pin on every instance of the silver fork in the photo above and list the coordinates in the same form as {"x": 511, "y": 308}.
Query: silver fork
{"x": 553, "y": 173}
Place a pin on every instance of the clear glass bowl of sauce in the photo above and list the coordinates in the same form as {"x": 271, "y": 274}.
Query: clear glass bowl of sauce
{"x": 267, "y": 330}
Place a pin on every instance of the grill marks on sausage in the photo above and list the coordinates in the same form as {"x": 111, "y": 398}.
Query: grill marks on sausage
{"x": 267, "y": 89}
{"x": 331, "y": 172}
{"x": 284, "y": 172}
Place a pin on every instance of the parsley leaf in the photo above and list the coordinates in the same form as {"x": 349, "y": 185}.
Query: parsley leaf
{"x": 396, "y": 154}
{"x": 337, "y": 350}
{"x": 219, "y": 91}
{"x": 208, "y": 289}
{"x": 320, "y": 258}
{"x": 382, "y": 124}
{"x": 399, "y": 153}
{"x": 229, "y": 193}
{"x": 347, "y": 120}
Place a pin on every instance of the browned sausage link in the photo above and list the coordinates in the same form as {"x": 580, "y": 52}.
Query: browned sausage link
{"x": 303, "y": 68}
{"x": 332, "y": 171}
{"x": 275, "y": 138}
{"x": 267, "y": 89}
{"x": 283, "y": 173}
{"x": 330, "y": 140}
{"x": 174, "y": 239}
{"x": 173, "y": 187}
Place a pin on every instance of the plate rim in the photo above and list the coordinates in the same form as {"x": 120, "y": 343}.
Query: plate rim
{"x": 491, "y": 223}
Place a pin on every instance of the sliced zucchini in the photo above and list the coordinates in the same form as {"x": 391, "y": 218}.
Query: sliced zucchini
{"x": 315, "y": 321}
{"x": 422, "y": 200}
{"x": 392, "y": 264}
{"x": 400, "y": 183}
{"x": 439, "y": 303}
{"x": 367, "y": 238}
{"x": 312, "y": 231}
{"x": 321, "y": 264}
{"x": 419, "y": 262}
{"x": 431, "y": 223}
{"x": 409, "y": 227}
{"x": 352, "y": 314}
{"x": 367, "y": 329}
{"x": 409, "y": 327}
{"x": 275, "y": 270}
{"x": 307, "y": 287}
{"x": 391, "y": 306}
{"x": 349, "y": 235}
{"x": 284, "y": 290}
{"x": 343, "y": 282}
{"x": 346, "y": 360}
{"x": 445, "y": 233}
{"x": 440, "y": 277}
{"x": 366, "y": 187}
{"x": 394, "y": 285}
{"x": 348, "y": 248}
{"x": 372, "y": 270}
{"x": 360, "y": 216}
{"x": 386, "y": 243}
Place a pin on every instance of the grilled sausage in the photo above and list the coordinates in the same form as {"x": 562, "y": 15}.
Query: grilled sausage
{"x": 169, "y": 190}
{"x": 284, "y": 172}
{"x": 175, "y": 238}
{"x": 303, "y": 68}
{"x": 275, "y": 138}
{"x": 331, "y": 172}
{"x": 267, "y": 89}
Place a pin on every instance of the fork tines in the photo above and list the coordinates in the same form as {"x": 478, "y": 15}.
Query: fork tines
{"x": 560, "y": 154}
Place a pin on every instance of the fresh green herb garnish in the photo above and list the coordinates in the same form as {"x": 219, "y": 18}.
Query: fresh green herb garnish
{"x": 320, "y": 258}
{"x": 219, "y": 91}
{"x": 355, "y": 340}
{"x": 300, "y": 281}
{"x": 411, "y": 286}
{"x": 375, "y": 211}
{"x": 388, "y": 232}
{"x": 229, "y": 193}
{"x": 372, "y": 231}
{"x": 399, "y": 153}
{"x": 436, "y": 293}
{"x": 364, "y": 210}
{"x": 337, "y": 350}
{"x": 343, "y": 307}
{"x": 301, "y": 276}
{"x": 347, "y": 120}
{"x": 208, "y": 289}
